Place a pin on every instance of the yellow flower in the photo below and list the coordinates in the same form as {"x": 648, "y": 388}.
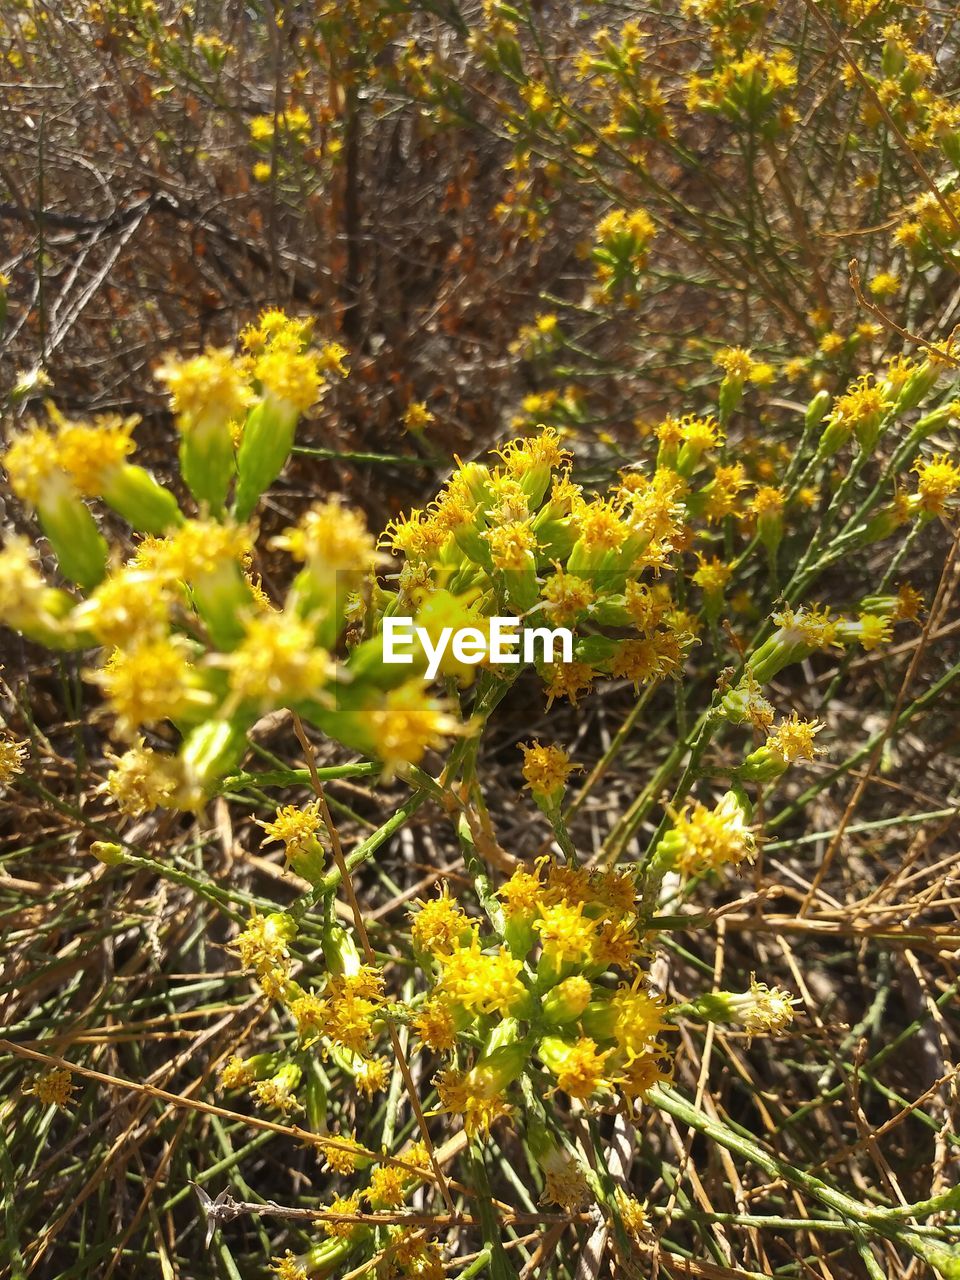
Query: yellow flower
{"x": 566, "y": 934}
{"x": 578, "y": 1065}
{"x": 33, "y": 465}
{"x": 12, "y": 756}
{"x": 564, "y": 1181}
{"x": 149, "y": 682}
{"x": 884, "y": 284}
{"x": 545, "y": 769}
{"x": 638, "y": 1021}
{"x": 566, "y": 596}
{"x": 417, "y": 417}
{"x": 331, "y": 538}
{"x": 601, "y": 527}
{"x": 143, "y": 779}
{"x": 288, "y": 1267}
{"x": 348, "y": 1206}
{"x": 342, "y": 1154}
{"x": 568, "y": 680}
{"x": 91, "y": 452}
{"x": 477, "y": 1099}
{"x": 197, "y": 549}
{"x": 208, "y": 390}
{"x": 938, "y": 479}
{"x": 373, "y": 1075}
{"x": 793, "y": 739}
{"x": 53, "y": 1088}
{"x": 707, "y": 839}
{"x": 296, "y": 828}
{"x": 236, "y": 1073}
{"x": 278, "y": 1090}
{"x": 831, "y": 344}
{"x": 736, "y": 362}
{"x": 263, "y": 943}
{"x": 278, "y": 661}
{"x": 712, "y": 575}
{"x": 521, "y": 894}
{"x": 632, "y": 1215}
{"x": 434, "y": 1024}
{"x": 390, "y": 1184}
{"x": 512, "y": 545}
{"x": 407, "y": 724}
{"x": 530, "y": 453}
{"x": 479, "y": 982}
{"x": 289, "y": 376}
{"x": 440, "y": 926}
{"x": 352, "y": 1004}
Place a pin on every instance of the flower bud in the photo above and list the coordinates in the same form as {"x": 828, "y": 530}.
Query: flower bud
{"x": 933, "y": 421}
{"x": 268, "y": 436}
{"x": 315, "y": 1098}
{"x": 209, "y": 393}
{"x": 816, "y": 409}
{"x": 110, "y": 854}
{"x": 211, "y": 751}
{"x": 80, "y": 548}
{"x": 142, "y": 501}
{"x": 340, "y": 951}
{"x": 502, "y": 1062}
{"x": 566, "y": 1001}
{"x": 762, "y": 765}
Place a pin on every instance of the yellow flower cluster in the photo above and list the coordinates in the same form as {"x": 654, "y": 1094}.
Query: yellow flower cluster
{"x": 533, "y": 993}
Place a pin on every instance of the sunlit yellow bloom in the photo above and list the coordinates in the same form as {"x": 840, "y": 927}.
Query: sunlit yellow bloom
{"x": 566, "y": 934}
{"x": 938, "y": 479}
{"x": 480, "y": 982}
{"x": 545, "y": 769}
{"x": 440, "y": 925}
{"x": 373, "y": 1075}
{"x": 152, "y": 681}
{"x": 143, "y": 779}
{"x": 707, "y": 839}
{"x": 417, "y": 417}
{"x": 578, "y": 1065}
{"x": 793, "y": 739}
{"x": 407, "y": 724}
{"x": 278, "y": 661}
{"x": 206, "y": 390}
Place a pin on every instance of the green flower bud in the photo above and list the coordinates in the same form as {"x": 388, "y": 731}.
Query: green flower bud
{"x": 340, "y": 951}
{"x": 80, "y": 548}
{"x": 315, "y": 1098}
{"x": 762, "y": 765}
{"x": 211, "y": 751}
{"x": 566, "y": 1001}
{"x": 144, "y": 503}
{"x": 207, "y": 463}
{"x": 816, "y": 409}
{"x": 265, "y": 446}
{"x": 222, "y": 597}
{"x": 110, "y": 854}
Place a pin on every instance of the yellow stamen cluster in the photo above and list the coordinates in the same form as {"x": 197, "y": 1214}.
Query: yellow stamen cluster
{"x": 12, "y": 756}
{"x": 545, "y": 768}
